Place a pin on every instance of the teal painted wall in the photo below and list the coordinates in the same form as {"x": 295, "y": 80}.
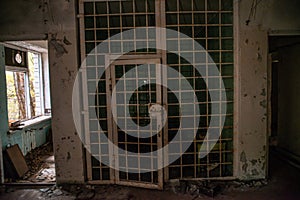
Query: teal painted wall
{"x": 28, "y": 138}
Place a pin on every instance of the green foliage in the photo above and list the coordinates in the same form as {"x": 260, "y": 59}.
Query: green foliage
{"x": 12, "y": 101}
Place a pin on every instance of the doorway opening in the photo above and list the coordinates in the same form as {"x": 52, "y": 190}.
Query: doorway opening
{"x": 285, "y": 98}
{"x": 28, "y": 150}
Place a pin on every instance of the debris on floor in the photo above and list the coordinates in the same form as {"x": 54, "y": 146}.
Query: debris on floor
{"x": 192, "y": 190}
{"x": 53, "y": 191}
{"x": 246, "y": 185}
{"x": 282, "y": 184}
{"x": 47, "y": 174}
{"x": 41, "y": 165}
{"x": 202, "y": 189}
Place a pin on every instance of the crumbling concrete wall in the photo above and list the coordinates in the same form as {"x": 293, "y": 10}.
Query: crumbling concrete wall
{"x": 67, "y": 145}
{"x": 64, "y": 56}
{"x": 252, "y": 109}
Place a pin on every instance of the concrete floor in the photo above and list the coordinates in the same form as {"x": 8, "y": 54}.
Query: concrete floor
{"x": 284, "y": 183}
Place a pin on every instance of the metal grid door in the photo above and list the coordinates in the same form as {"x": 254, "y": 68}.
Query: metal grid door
{"x": 136, "y": 90}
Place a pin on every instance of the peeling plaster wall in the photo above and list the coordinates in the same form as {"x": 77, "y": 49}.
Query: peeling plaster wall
{"x": 67, "y": 145}
{"x": 252, "y": 111}
{"x": 64, "y": 64}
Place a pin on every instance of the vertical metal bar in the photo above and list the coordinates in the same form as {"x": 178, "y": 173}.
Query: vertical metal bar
{"x": 163, "y": 42}
{"x": 114, "y": 138}
{"x": 110, "y": 125}
{"x": 159, "y": 121}
{"x": 81, "y": 29}
{"x": 237, "y": 90}
{"x": 206, "y": 78}
{"x": 195, "y": 100}
{"x": 220, "y": 88}
{"x": 84, "y": 89}
{"x": 126, "y": 127}
{"x": 138, "y": 114}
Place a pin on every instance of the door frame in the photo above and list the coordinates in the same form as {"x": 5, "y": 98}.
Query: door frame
{"x": 134, "y": 60}
{"x": 111, "y": 61}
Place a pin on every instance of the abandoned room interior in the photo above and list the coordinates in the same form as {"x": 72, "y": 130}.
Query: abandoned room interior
{"x": 149, "y": 99}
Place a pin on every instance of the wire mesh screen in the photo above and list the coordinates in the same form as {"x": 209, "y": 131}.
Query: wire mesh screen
{"x": 104, "y": 19}
{"x": 208, "y": 22}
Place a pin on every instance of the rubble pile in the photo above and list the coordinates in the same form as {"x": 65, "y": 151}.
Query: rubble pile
{"x": 41, "y": 165}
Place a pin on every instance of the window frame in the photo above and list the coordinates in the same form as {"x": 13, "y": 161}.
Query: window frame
{"x": 43, "y": 111}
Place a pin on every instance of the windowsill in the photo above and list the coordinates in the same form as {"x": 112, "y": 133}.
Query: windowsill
{"x": 29, "y": 122}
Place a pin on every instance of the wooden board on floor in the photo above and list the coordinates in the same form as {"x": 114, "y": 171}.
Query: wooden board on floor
{"x": 17, "y": 159}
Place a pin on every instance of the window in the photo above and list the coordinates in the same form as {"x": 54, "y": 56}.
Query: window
{"x": 26, "y": 75}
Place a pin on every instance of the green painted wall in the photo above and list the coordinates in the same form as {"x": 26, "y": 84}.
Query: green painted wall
{"x": 30, "y": 137}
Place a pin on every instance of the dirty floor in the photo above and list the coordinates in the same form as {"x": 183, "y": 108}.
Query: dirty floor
{"x": 41, "y": 165}
{"x": 284, "y": 183}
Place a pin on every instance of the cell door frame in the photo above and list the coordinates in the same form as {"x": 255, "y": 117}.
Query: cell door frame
{"x": 112, "y": 61}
